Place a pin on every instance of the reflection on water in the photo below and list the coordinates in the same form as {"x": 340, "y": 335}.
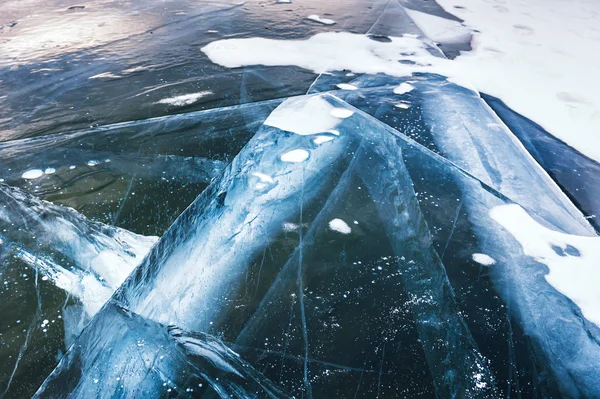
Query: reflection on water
{"x": 143, "y": 54}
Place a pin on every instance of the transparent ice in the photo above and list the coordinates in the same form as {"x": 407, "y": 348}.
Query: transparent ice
{"x": 282, "y": 235}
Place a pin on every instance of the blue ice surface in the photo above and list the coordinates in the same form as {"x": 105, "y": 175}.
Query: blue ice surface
{"x": 255, "y": 262}
{"x": 253, "y": 291}
{"x": 577, "y": 175}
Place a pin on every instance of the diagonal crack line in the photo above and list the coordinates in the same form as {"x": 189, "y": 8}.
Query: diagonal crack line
{"x": 452, "y": 230}
{"x": 440, "y": 158}
{"x": 75, "y": 133}
{"x": 300, "y": 359}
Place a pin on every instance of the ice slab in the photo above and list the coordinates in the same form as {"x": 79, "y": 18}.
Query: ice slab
{"x": 39, "y": 227}
{"x": 156, "y": 361}
{"x": 235, "y": 269}
{"x": 256, "y": 262}
{"x": 577, "y": 175}
{"x": 454, "y": 122}
{"x": 57, "y": 270}
{"x": 113, "y": 174}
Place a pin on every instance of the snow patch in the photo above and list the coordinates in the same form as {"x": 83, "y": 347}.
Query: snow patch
{"x": 404, "y": 88}
{"x": 329, "y": 51}
{"x": 324, "y": 21}
{"x": 341, "y": 113}
{"x": 483, "y": 259}
{"x": 322, "y": 139}
{"x": 340, "y": 226}
{"x": 346, "y": 86}
{"x": 295, "y": 156}
{"x": 263, "y": 177}
{"x": 289, "y": 227}
{"x": 291, "y": 116}
{"x": 515, "y": 39}
{"x": 572, "y": 260}
{"x": 32, "y": 174}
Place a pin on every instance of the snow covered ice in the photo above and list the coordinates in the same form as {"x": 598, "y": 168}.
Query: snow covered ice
{"x": 285, "y": 200}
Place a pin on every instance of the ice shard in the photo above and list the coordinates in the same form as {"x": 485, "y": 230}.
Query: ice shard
{"x": 267, "y": 252}
{"x": 455, "y": 123}
{"x": 58, "y": 268}
{"x": 337, "y": 290}
{"x": 113, "y": 173}
{"x": 41, "y": 229}
{"x": 71, "y": 264}
{"x": 150, "y": 353}
{"x": 563, "y": 328}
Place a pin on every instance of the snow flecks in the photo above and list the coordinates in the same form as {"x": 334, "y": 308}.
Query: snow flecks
{"x": 404, "y": 88}
{"x": 291, "y": 116}
{"x": 184, "y": 99}
{"x": 572, "y": 260}
{"x": 341, "y": 113}
{"x": 329, "y": 51}
{"x": 340, "y": 226}
{"x": 514, "y": 39}
{"x": 483, "y": 259}
{"x": 346, "y": 86}
{"x": 479, "y": 382}
{"x": 322, "y": 139}
{"x": 295, "y": 156}
{"x": 289, "y": 227}
{"x": 324, "y": 21}
{"x": 32, "y": 174}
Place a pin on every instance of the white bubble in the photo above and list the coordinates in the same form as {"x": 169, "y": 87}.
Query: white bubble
{"x": 295, "y": 156}
{"x": 340, "y": 226}
{"x": 32, "y": 174}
